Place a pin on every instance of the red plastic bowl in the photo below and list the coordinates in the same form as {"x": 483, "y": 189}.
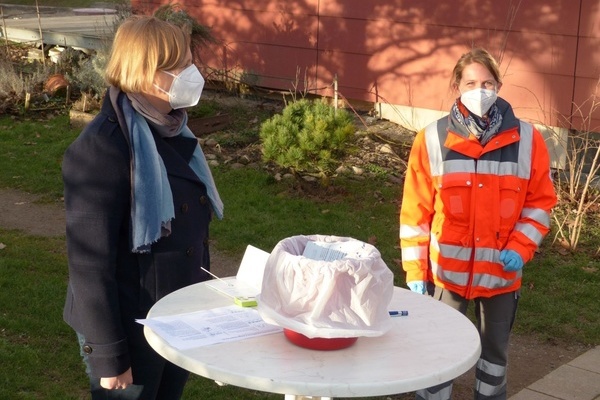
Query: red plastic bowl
{"x": 318, "y": 343}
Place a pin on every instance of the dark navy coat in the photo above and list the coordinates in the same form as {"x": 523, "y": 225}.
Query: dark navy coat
{"x": 109, "y": 286}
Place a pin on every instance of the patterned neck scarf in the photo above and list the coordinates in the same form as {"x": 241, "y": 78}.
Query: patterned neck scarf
{"x": 484, "y": 128}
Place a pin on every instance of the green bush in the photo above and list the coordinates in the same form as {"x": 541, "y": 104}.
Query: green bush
{"x": 309, "y": 136}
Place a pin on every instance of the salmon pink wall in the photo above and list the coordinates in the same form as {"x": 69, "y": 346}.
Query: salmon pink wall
{"x": 402, "y": 51}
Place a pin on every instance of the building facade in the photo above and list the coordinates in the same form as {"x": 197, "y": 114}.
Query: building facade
{"x": 398, "y": 54}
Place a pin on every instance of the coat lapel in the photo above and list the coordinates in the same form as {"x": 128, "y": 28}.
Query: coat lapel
{"x": 176, "y": 153}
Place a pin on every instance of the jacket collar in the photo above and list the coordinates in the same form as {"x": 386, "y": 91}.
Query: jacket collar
{"x": 459, "y": 139}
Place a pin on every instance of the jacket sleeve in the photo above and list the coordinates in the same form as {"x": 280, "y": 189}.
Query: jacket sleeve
{"x": 416, "y": 212}
{"x": 96, "y": 186}
{"x": 534, "y": 222}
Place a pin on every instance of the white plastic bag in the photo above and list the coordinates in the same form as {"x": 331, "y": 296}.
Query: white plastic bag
{"x": 347, "y": 297}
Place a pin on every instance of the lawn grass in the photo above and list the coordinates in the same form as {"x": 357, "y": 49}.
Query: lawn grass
{"x": 261, "y": 212}
{"x": 39, "y": 352}
{"x": 31, "y": 151}
{"x": 560, "y": 296}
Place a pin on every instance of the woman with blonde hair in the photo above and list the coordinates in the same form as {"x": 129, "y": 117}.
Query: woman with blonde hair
{"x": 476, "y": 206}
{"x": 139, "y": 198}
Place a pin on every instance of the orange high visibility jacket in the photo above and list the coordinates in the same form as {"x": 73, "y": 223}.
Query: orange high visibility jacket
{"x": 463, "y": 203}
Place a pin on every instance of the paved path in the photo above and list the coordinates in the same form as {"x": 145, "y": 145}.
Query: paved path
{"x": 23, "y": 211}
{"x": 578, "y": 379}
{"x": 81, "y": 28}
{"x": 20, "y": 210}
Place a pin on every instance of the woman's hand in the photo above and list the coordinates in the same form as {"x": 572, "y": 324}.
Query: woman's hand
{"x": 417, "y": 286}
{"x": 511, "y": 259}
{"x": 117, "y": 382}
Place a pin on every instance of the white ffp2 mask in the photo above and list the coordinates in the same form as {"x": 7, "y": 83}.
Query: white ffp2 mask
{"x": 479, "y": 101}
{"x": 186, "y": 88}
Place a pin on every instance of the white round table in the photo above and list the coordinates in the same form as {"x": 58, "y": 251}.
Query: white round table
{"x": 432, "y": 345}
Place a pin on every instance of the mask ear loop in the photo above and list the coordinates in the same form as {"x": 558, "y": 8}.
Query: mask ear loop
{"x": 163, "y": 90}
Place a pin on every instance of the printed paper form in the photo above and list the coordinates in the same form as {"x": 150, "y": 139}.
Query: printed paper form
{"x": 207, "y": 327}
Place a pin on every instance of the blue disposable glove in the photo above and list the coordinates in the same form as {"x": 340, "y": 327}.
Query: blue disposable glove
{"x": 417, "y": 286}
{"x": 511, "y": 259}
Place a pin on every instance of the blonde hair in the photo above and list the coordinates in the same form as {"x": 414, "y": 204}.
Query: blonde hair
{"x": 477, "y": 55}
{"x": 143, "y": 45}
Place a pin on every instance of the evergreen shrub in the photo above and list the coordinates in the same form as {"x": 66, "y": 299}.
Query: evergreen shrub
{"x": 308, "y": 136}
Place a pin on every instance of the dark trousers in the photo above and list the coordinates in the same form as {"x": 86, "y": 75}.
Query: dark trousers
{"x": 153, "y": 377}
{"x": 495, "y": 317}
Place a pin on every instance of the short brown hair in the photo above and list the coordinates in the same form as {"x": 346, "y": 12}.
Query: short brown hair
{"x": 476, "y": 55}
{"x": 143, "y": 45}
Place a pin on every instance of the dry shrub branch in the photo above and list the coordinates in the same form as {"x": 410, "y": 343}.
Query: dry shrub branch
{"x": 578, "y": 186}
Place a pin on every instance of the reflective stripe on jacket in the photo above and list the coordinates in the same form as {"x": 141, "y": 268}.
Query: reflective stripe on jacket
{"x": 463, "y": 203}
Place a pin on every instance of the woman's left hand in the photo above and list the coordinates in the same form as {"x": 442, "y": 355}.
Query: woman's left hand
{"x": 117, "y": 382}
{"x": 511, "y": 259}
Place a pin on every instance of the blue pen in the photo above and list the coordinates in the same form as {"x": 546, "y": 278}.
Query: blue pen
{"x": 398, "y": 313}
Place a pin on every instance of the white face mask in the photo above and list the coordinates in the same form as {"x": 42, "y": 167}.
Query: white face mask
{"x": 479, "y": 101}
{"x": 185, "y": 89}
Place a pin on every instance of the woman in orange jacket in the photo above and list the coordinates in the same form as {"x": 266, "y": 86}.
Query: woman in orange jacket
{"x": 476, "y": 205}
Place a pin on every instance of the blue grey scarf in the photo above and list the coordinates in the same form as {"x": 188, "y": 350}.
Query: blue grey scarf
{"x": 152, "y": 206}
